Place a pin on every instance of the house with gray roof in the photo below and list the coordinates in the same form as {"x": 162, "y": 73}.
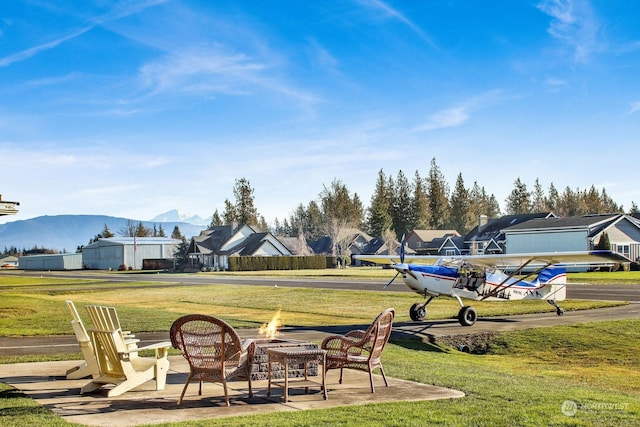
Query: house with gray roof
{"x": 575, "y": 234}
{"x": 448, "y": 246}
{"x": 213, "y": 247}
{"x": 419, "y": 240}
{"x": 488, "y": 236}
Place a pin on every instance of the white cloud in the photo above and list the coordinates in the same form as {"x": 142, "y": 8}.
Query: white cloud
{"x": 575, "y": 25}
{"x": 634, "y": 107}
{"x": 119, "y": 11}
{"x": 458, "y": 115}
{"x": 322, "y": 58}
{"x": 451, "y": 117}
{"x": 28, "y": 53}
{"x": 554, "y": 84}
{"x": 388, "y": 11}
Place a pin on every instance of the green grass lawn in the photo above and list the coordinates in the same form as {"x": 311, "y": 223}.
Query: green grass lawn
{"x": 523, "y": 379}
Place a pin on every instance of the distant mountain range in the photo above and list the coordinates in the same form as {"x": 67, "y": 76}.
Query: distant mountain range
{"x": 67, "y": 232}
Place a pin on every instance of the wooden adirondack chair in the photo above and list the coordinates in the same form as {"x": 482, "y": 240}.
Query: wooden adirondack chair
{"x": 90, "y": 365}
{"x": 360, "y": 349}
{"x": 106, "y": 318}
{"x": 120, "y": 365}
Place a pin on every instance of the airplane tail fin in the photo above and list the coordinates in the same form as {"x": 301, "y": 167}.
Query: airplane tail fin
{"x": 553, "y": 275}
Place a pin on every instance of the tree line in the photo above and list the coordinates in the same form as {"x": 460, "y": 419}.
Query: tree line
{"x": 400, "y": 204}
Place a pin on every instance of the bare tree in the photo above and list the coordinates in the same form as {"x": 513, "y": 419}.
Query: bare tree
{"x": 390, "y": 240}
{"x": 341, "y": 232}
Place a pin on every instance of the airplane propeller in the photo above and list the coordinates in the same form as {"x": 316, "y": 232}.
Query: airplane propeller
{"x": 401, "y": 262}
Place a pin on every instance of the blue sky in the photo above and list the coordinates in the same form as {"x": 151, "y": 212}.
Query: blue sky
{"x": 133, "y": 108}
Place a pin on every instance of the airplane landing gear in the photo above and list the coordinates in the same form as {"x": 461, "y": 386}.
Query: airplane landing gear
{"x": 418, "y": 312}
{"x": 467, "y": 316}
{"x": 559, "y": 310}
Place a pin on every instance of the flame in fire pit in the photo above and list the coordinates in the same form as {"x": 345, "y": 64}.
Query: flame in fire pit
{"x": 270, "y": 330}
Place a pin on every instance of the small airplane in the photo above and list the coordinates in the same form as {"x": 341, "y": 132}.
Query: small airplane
{"x": 499, "y": 277}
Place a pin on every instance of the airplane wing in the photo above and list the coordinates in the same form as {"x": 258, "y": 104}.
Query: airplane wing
{"x": 395, "y": 259}
{"x": 507, "y": 260}
{"x": 547, "y": 258}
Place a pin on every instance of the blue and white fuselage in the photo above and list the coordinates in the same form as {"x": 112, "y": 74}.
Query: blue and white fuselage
{"x": 441, "y": 280}
{"x": 480, "y": 277}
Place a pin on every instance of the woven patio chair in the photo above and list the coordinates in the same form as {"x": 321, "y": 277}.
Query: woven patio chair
{"x": 214, "y": 351}
{"x": 360, "y": 349}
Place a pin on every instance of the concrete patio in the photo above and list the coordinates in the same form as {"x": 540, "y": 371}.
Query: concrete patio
{"x": 45, "y": 382}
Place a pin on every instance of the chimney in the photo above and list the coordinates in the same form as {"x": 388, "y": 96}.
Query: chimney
{"x": 482, "y": 221}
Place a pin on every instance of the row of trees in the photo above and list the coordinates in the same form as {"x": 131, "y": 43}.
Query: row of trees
{"x": 399, "y": 205}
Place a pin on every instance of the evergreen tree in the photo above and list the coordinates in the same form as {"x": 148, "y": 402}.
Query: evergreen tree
{"x": 336, "y": 202}
{"x": 493, "y": 207}
{"x": 519, "y": 200}
{"x": 245, "y": 210}
{"x": 378, "y": 214}
{"x": 634, "y": 208}
{"x": 603, "y": 243}
{"x": 539, "y": 202}
{"x": 142, "y": 231}
{"x": 161, "y": 232}
{"x": 401, "y": 205}
{"x": 176, "y": 234}
{"x": 420, "y": 213}
{"x": 216, "y": 220}
{"x": 438, "y": 192}
{"x": 315, "y": 222}
{"x": 461, "y": 218}
{"x": 553, "y": 199}
{"x": 229, "y": 215}
{"x": 262, "y": 224}
{"x": 106, "y": 233}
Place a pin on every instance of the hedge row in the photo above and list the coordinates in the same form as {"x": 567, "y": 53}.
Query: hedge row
{"x": 259, "y": 263}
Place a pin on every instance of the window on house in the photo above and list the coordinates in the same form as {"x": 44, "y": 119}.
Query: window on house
{"x": 450, "y": 252}
{"x": 623, "y": 250}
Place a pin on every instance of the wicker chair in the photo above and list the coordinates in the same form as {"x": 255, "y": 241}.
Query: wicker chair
{"x": 214, "y": 351}
{"x": 360, "y": 349}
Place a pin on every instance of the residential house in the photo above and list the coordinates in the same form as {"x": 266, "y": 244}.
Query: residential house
{"x": 377, "y": 246}
{"x": 418, "y": 240}
{"x": 356, "y": 243}
{"x": 488, "y": 236}
{"x": 448, "y": 246}
{"x": 213, "y": 247}
{"x": 575, "y": 234}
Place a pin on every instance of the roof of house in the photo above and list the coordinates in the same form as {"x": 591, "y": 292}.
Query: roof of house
{"x": 211, "y": 240}
{"x": 429, "y": 235}
{"x": 594, "y": 223}
{"x": 493, "y": 228}
{"x": 293, "y": 245}
{"x": 214, "y": 239}
{"x": 439, "y": 243}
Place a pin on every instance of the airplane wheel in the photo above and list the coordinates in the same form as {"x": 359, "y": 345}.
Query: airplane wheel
{"x": 559, "y": 311}
{"x": 417, "y": 312}
{"x": 467, "y": 316}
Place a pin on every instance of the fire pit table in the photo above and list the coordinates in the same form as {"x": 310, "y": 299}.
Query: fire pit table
{"x": 297, "y": 355}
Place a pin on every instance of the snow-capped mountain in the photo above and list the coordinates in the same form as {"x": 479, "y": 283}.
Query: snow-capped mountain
{"x": 175, "y": 215}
